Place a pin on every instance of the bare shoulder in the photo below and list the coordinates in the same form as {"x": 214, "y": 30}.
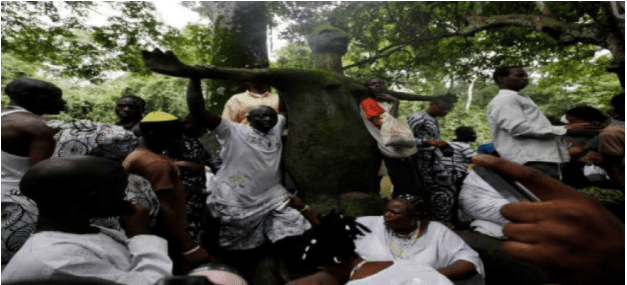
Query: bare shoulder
{"x": 27, "y": 123}
{"x": 35, "y": 125}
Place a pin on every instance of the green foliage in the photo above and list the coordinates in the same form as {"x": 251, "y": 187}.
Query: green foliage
{"x": 97, "y": 102}
{"x": 568, "y": 83}
{"x": 408, "y": 43}
{"x": 402, "y": 40}
{"x": 603, "y": 195}
{"x": 39, "y": 32}
{"x": 296, "y": 55}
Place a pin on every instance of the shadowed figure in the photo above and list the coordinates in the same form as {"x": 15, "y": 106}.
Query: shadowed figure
{"x": 329, "y": 151}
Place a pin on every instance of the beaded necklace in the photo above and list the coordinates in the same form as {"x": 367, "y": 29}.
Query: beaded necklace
{"x": 400, "y": 255}
{"x": 357, "y": 267}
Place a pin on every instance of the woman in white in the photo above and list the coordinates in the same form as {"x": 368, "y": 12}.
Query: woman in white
{"x": 400, "y": 235}
{"x": 328, "y": 250}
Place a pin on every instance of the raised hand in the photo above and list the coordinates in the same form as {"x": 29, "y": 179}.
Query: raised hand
{"x": 385, "y": 98}
{"x": 573, "y": 238}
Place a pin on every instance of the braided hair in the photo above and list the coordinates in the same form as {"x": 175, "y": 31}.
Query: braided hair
{"x": 331, "y": 242}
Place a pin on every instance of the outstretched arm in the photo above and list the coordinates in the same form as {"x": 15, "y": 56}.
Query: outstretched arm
{"x": 167, "y": 63}
{"x": 196, "y": 105}
{"x": 408, "y": 96}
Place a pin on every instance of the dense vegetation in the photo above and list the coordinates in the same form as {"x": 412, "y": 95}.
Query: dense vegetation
{"x": 420, "y": 47}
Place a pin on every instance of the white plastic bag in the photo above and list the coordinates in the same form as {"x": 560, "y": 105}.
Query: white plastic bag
{"x": 595, "y": 173}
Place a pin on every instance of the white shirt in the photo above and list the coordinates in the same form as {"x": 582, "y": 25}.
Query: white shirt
{"x": 437, "y": 247}
{"x": 108, "y": 255}
{"x": 251, "y": 172}
{"x": 483, "y": 203}
{"x": 404, "y": 273}
{"x": 520, "y": 131}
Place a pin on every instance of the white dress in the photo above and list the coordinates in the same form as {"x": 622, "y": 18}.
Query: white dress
{"x": 437, "y": 247}
{"x": 404, "y": 273}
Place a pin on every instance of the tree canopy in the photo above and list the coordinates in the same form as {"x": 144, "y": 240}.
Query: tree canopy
{"x": 422, "y": 47}
{"x": 460, "y": 38}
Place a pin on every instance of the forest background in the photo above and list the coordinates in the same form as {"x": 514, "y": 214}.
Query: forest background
{"x": 390, "y": 39}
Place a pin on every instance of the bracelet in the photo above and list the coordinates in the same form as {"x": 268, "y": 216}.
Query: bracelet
{"x": 305, "y": 208}
{"x": 191, "y": 250}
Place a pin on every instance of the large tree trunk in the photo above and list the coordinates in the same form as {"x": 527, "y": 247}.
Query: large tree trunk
{"x": 239, "y": 41}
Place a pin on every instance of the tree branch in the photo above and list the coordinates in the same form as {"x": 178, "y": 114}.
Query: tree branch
{"x": 563, "y": 31}
{"x": 396, "y": 47}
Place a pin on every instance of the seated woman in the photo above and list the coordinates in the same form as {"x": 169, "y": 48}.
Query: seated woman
{"x": 400, "y": 235}
{"x": 328, "y": 249}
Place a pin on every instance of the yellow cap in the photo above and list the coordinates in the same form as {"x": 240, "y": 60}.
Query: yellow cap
{"x": 159, "y": 116}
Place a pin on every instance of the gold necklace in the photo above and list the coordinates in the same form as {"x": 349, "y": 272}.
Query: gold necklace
{"x": 400, "y": 255}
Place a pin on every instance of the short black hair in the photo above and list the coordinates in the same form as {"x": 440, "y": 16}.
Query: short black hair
{"x": 618, "y": 101}
{"x": 464, "y": 131}
{"x": 137, "y": 98}
{"x": 189, "y": 118}
{"x": 373, "y": 78}
{"x": 46, "y": 182}
{"x": 587, "y": 113}
{"x": 175, "y": 128}
{"x": 449, "y": 99}
{"x": 21, "y": 87}
{"x": 503, "y": 71}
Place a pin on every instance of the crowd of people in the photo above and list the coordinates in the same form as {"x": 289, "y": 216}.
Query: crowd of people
{"x": 142, "y": 201}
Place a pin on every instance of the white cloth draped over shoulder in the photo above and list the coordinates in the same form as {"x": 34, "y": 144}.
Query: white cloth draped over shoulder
{"x": 437, "y": 247}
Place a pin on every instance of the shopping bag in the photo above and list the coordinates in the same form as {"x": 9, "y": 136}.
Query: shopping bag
{"x": 396, "y": 133}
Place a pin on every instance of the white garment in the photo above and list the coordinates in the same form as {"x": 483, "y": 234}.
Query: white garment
{"x": 251, "y": 172}
{"x": 13, "y": 166}
{"x": 404, "y": 273}
{"x": 376, "y": 134}
{"x": 483, "y": 203}
{"x": 437, "y": 247}
{"x": 521, "y": 132}
{"x": 108, "y": 255}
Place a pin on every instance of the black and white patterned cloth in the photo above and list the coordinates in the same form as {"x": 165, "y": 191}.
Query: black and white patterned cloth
{"x": 194, "y": 185}
{"x": 80, "y": 137}
{"x": 440, "y": 192}
{"x": 83, "y": 137}
{"x": 249, "y": 227}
